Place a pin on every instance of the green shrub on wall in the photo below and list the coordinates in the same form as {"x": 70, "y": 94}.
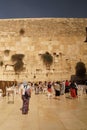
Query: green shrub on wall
{"x": 47, "y": 59}
{"x": 80, "y": 76}
{"x": 6, "y": 52}
{"x": 1, "y": 63}
{"x": 80, "y": 69}
{"x": 18, "y": 62}
{"x": 17, "y": 57}
{"x": 22, "y": 31}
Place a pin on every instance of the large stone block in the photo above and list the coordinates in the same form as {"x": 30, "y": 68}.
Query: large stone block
{"x": 63, "y": 37}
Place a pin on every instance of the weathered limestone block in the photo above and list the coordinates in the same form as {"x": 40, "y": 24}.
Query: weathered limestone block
{"x": 63, "y": 36}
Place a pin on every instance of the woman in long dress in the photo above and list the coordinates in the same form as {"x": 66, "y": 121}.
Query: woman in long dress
{"x": 73, "y": 90}
{"x": 57, "y": 90}
{"x": 25, "y": 95}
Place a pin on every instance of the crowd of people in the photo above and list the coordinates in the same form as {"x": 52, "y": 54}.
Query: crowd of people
{"x": 60, "y": 88}
{"x": 51, "y": 89}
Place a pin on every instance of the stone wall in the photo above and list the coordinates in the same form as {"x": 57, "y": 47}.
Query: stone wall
{"x": 57, "y": 36}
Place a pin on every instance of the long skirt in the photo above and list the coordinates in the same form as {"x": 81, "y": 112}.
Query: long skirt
{"x": 25, "y": 106}
{"x": 57, "y": 93}
{"x": 49, "y": 90}
{"x": 67, "y": 89}
{"x": 73, "y": 92}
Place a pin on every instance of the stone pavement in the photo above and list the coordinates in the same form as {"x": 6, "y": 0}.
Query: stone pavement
{"x": 44, "y": 114}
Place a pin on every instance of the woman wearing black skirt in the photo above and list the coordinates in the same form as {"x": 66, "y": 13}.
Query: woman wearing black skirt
{"x": 57, "y": 90}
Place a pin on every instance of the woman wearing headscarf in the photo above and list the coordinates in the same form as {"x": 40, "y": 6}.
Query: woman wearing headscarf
{"x": 25, "y": 95}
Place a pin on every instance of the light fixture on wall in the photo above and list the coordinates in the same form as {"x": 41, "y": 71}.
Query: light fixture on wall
{"x": 86, "y": 35}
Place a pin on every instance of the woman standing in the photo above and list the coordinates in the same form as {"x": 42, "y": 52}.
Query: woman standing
{"x": 49, "y": 89}
{"x": 73, "y": 90}
{"x": 57, "y": 90}
{"x": 25, "y": 95}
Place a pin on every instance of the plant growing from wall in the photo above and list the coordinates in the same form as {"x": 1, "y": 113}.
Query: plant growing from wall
{"x": 80, "y": 69}
{"x": 80, "y": 76}
{"x": 47, "y": 59}
{"x": 1, "y": 63}
{"x": 21, "y": 31}
{"x": 17, "y": 59}
{"x": 6, "y": 52}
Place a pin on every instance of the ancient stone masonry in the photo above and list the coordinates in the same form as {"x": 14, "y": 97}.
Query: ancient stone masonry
{"x": 63, "y": 38}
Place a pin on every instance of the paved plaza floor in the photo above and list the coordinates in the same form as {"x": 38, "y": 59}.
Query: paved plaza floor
{"x": 44, "y": 114}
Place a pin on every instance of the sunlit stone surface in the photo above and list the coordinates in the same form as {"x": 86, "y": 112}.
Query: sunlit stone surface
{"x": 44, "y": 114}
{"x": 55, "y": 35}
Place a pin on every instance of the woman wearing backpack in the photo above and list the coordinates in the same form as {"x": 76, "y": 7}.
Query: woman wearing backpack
{"x": 25, "y": 95}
